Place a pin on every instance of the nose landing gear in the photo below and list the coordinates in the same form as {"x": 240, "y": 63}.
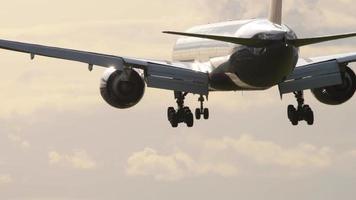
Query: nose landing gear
{"x": 302, "y": 113}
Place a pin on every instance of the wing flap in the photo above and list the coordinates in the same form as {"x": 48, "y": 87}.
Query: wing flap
{"x": 318, "y": 69}
{"x": 178, "y": 79}
{"x": 312, "y": 76}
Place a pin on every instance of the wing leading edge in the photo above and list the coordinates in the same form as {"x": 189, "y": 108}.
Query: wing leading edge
{"x": 161, "y": 75}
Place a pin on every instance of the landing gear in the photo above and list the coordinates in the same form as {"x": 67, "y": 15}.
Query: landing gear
{"x": 302, "y": 113}
{"x": 201, "y": 111}
{"x": 182, "y": 114}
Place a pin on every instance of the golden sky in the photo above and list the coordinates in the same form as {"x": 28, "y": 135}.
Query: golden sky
{"x": 60, "y": 140}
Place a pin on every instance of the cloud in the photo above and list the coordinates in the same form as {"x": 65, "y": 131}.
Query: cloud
{"x": 228, "y": 157}
{"x": 78, "y": 160}
{"x": 62, "y": 101}
{"x": 18, "y": 140}
{"x": 5, "y": 179}
{"x": 268, "y": 153}
{"x": 353, "y": 153}
{"x": 174, "y": 167}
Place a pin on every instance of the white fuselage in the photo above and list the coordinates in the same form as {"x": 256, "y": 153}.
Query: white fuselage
{"x": 210, "y": 55}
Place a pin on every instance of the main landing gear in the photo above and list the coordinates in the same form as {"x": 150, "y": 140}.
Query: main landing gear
{"x": 302, "y": 113}
{"x": 183, "y": 114}
{"x": 201, "y": 111}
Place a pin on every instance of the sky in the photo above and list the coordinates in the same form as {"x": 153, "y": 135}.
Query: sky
{"x": 59, "y": 140}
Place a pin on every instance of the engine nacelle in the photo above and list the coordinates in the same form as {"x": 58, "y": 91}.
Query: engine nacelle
{"x": 122, "y": 89}
{"x": 339, "y": 94}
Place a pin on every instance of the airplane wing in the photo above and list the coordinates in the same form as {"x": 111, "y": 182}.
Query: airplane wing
{"x": 318, "y": 72}
{"x": 162, "y": 75}
{"x": 341, "y": 58}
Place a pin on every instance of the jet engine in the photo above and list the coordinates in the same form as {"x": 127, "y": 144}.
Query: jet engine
{"x": 339, "y": 94}
{"x": 122, "y": 89}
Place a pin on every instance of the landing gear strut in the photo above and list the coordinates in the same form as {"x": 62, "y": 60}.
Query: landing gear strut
{"x": 201, "y": 111}
{"x": 182, "y": 114}
{"x": 302, "y": 113}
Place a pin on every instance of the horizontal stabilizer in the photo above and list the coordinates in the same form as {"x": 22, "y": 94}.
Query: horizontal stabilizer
{"x": 254, "y": 42}
{"x": 242, "y": 41}
{"x": 316, "y": 40}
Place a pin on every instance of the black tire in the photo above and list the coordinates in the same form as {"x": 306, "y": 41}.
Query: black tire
{"x": 295, "y": 122}
{"x": 170, "y": 113}
{"x": 291, "y": 111}
{"x": 189, "y": 119}
{"x": 197, "y": 114}
{"x": 174, "y": 124}
{"x": 186, "y": 110}
{"x": 293, "y": 115}
{"x": 308, "y": 115}
{"x": 310, "y": 119}
{"x": 206, "y": 113}
{"x": 174, "y": 121}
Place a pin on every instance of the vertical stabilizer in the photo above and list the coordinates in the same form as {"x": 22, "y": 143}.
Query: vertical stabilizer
{"x": 275, "y": 12}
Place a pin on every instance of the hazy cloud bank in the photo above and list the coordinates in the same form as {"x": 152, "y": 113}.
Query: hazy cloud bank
{"x": 77, "y": 160}
{"x": 230, "y": 157}
{"x": 5, "y": 179}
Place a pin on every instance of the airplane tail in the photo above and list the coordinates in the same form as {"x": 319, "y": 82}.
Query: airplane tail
{"x": 275, "y": 16}
{"x": 275, "y": 12}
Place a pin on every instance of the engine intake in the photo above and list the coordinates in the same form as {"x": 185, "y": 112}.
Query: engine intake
{"x": 122, "y": 89}
{"x": 339, "y": 94}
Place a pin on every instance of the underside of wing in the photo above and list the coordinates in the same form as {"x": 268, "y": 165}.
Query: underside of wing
{"x": 61, "y": 53}
{"x": 157, "y": 74}
{"x": 316, "y": 75}
{"x": 315, "y": 40}
{"x": 178, "y": 79}
{"x": 340, "y": 58}
{"x": 317, "y": 72}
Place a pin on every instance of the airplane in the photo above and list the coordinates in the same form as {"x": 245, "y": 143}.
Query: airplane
{"x": 244, "y": 55}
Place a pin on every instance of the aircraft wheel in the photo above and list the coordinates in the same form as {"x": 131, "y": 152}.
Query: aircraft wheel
{"x": 197, "y": 114}
{"x": 170, "y": 113}
{"x": 188, "y": 118}
{"x": 174, "y": 121}
{"x": 206, "y": 113}
{"x": 308, "y": 115}
{"x": 293, "y": 115}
